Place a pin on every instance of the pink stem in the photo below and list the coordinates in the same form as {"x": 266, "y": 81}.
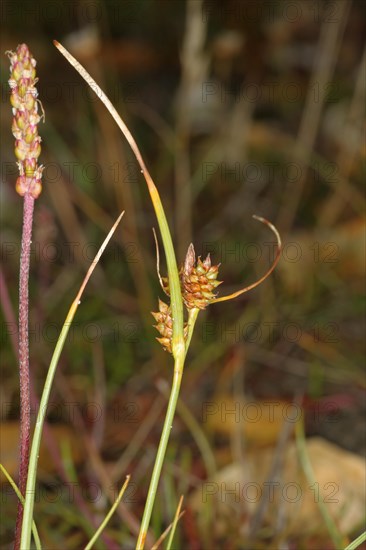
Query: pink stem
{"x": 25, "y": 406}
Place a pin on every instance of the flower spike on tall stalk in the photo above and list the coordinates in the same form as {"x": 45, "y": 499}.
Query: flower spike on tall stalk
{"x": 26, "y": 118}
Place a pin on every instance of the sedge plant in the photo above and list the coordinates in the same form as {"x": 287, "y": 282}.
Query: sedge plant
{"x": 192, "y": 285}
{"x": 188, "y": 289}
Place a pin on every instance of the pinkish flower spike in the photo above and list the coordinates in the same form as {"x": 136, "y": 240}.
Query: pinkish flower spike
{"x": 23, "y": 99}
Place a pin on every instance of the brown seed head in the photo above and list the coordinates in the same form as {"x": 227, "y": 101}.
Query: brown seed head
{"x": 164, "y": 325}
{"x": 198, "y": 282}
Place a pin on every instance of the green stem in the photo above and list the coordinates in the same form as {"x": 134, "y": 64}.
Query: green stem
{"x": 177, "y": 379}
{"x": 36, "y": 443}
{"x": 100, "y": 529}
{"x": 177, "y": 516}
{"x": 21, "y": 498}
{"x": 356, "y": 543}
{"x": 164, "y": 438}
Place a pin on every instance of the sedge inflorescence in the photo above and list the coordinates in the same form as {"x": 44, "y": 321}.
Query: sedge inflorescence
{"x": 198, "y": 280}
{"x": 26, "y": 118}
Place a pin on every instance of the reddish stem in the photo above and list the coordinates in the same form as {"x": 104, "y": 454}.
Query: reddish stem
{"x": 25, "y": 408}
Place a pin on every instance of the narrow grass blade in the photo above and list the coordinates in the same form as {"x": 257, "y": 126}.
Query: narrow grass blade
{"x": 177, "y": 516}
{"x": 21, "y": 498}
{"x": 33, "y": 460}
{"x": 170, "y": 529}
{"x": 356, "y": 543}
{"x": 108, "y": 516}
{"x": 195, "y": 429}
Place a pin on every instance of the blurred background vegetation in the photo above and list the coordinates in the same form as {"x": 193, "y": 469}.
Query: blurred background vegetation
{"x": 239, "y": 108}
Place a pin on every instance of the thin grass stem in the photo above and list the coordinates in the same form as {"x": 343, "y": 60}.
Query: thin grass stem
{"x": 108, "y": 516}
{"x": 37, "y": 540}
{"x": 357, "y": 542}
{"x": 168, "y": 424}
